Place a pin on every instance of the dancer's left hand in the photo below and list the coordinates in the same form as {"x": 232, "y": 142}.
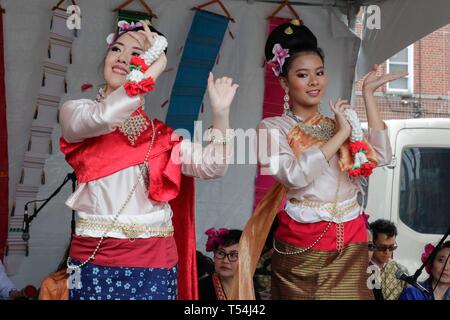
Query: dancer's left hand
{"x": 372, "y": 82}
{"x": 146, "y": 39}
{"x": 221, "y": 94}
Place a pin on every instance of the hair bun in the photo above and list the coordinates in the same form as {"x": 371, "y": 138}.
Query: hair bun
{"x": 294, "y": 36}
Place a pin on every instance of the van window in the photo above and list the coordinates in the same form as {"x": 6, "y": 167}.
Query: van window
{"x": 425, "y": 189}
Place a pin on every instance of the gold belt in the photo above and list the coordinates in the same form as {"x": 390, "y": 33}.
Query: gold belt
{"x": 131, "y": 230}
{"x": 336, "y": 210}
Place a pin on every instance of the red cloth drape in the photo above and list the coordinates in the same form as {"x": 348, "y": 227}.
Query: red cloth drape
{"x": 3, "y": 151}
{"x": 272, "y": 106}
{"x": 183, "y": 208}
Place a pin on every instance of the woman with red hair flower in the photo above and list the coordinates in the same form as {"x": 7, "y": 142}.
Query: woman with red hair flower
{"x": 224, "y": 244}
{"x": 438, "y": 283}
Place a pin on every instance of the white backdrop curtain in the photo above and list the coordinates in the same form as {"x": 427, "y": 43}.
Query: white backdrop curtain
{"x": 219, "y": 203}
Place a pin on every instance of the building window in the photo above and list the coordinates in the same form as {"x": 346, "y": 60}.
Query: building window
{"x": 402, "y": 61}
{"x": 424, "y": 184}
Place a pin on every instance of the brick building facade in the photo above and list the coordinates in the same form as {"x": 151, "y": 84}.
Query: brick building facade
{"x": 427, "y": 93}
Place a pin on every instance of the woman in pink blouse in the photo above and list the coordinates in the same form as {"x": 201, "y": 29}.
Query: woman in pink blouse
{"x": 135, "y": 236}
{"x": 320, "y": 245}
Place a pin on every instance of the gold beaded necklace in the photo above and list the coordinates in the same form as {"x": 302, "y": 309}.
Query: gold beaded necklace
{"x": 133, "y": 127}
{"x": 323, "y": 131}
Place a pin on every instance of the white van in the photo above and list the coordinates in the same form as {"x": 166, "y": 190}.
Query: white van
{"x": 414, "y": 190}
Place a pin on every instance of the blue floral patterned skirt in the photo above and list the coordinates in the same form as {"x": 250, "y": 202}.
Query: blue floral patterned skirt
{"x": 124, "y": 283}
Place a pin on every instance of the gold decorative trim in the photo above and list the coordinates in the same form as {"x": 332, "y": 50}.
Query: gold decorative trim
{"x": 323, "y": 131}
{"x": 288, "y": 31}
{"x": 335, "y": 209}
{"x": 133, "y": 127}
{"x": 218, "y": 288}
{"x": 131, "y": 230}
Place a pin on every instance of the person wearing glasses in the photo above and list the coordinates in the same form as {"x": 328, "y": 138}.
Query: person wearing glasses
{"x": 224, "y": 243}
{"x": 384, "y": 235}
{"x": 438, "y": 283}
{"x": 378, "y": 295}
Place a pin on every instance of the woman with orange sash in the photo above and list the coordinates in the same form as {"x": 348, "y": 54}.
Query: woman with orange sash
{"x": 320, "y": 245}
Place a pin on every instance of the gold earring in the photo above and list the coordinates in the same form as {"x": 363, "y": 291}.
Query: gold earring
{"x": 286, "y": 105}
{"x": 288, "y": 31}
{"x": 296, "y": 22}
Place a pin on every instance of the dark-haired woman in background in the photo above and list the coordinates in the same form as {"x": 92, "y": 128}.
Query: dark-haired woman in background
{"x": 224, "y": 244}
{"x": 134, "y": 236}
{"x": 320, "y": 246}
{"x": 438, "y": 283}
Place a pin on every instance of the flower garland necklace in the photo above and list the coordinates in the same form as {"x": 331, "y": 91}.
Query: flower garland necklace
{"x": 137, "y": 83}
{"x": 358, "y": 148}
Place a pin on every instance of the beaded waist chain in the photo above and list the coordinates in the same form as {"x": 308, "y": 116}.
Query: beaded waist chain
{"x": 90, "y": 227}
{"x": 335, "y": 209}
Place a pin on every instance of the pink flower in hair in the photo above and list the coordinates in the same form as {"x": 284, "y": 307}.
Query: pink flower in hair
{"x": 428, "y": 249}
{"x": 280, "y": 56}
{"x": 123, "y": 27}
{"x": 215, "y": 238}
{"x": 127, "y": 26}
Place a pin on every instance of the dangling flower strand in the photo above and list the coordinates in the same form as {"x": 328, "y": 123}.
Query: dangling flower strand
{"x": 358, "y": 148}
